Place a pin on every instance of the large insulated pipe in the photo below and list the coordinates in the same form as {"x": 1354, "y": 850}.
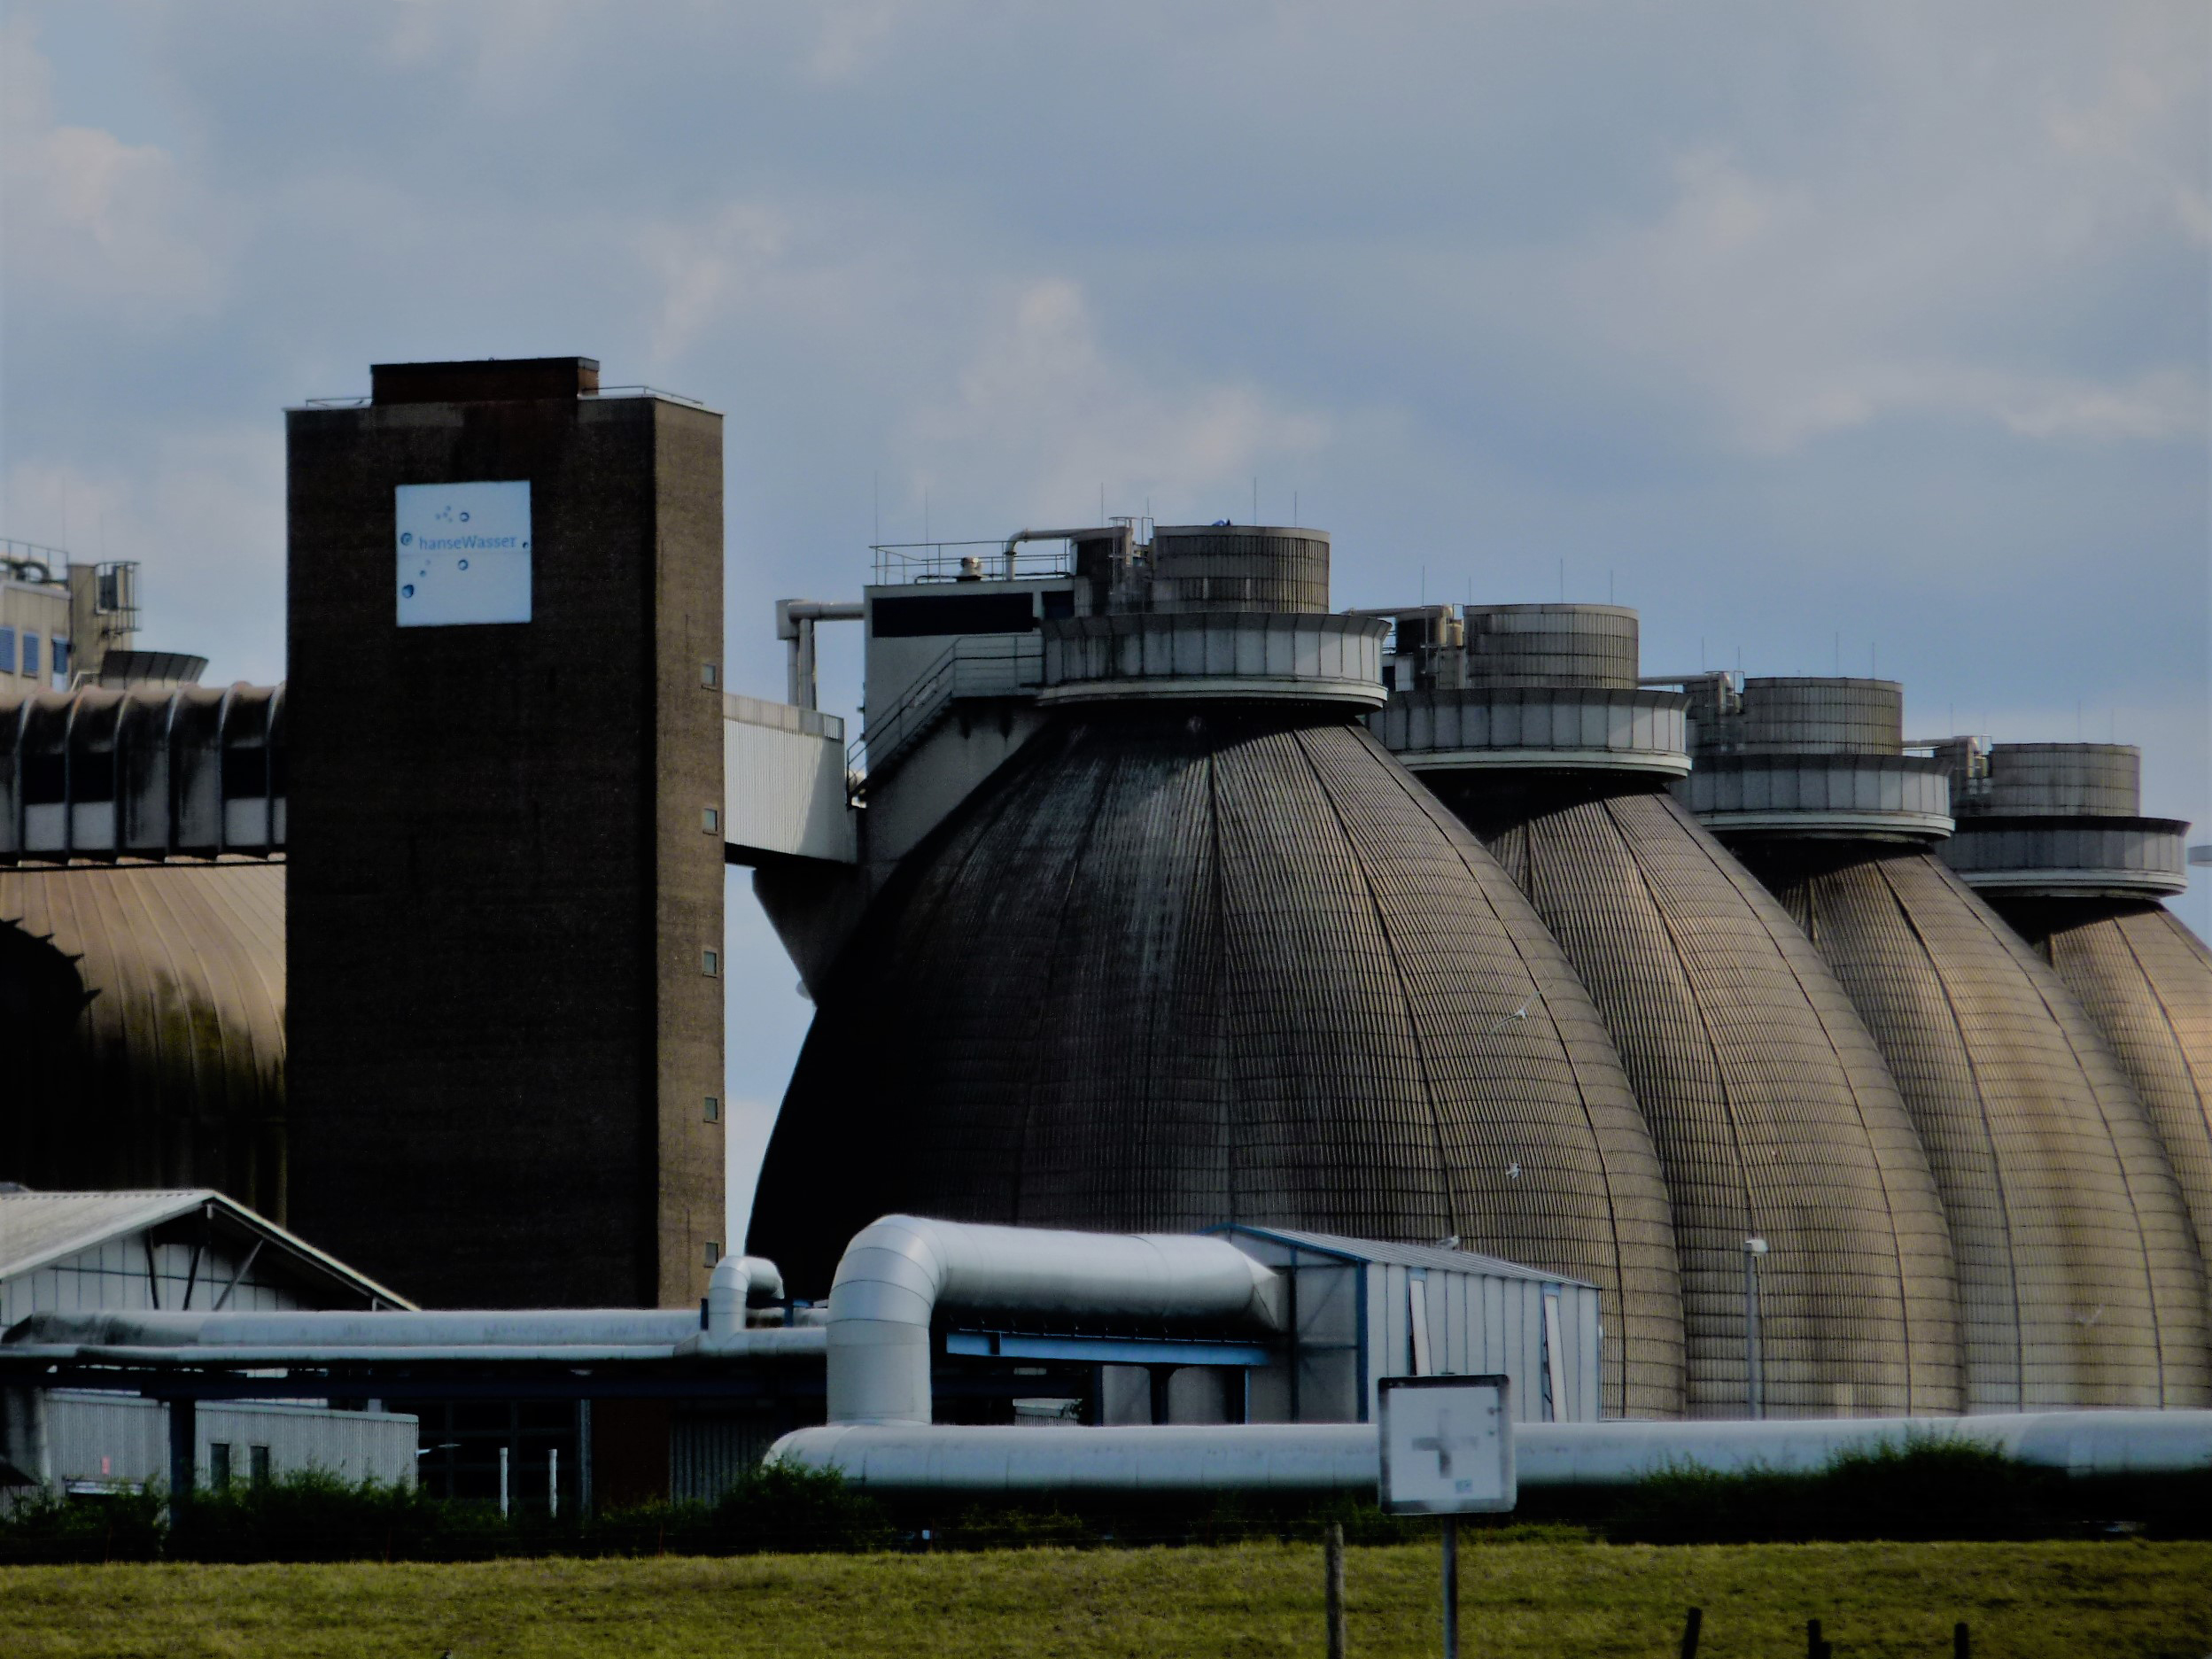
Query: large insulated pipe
{"x": 521, "y": 1327}
{"x": 734, "y": 1281}
{"x": 794, "y": 626}
{"x": 897, "y": 1271}
{"x": 1342, "y": 1457}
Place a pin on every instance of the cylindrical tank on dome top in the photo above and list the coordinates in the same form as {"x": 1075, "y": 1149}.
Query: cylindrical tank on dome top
{"x": 2080, "y": 1279}
{"x": 1773, "y": 1113}
{"x": 2052, "y": 835}
{"x": 1201, "y": 952}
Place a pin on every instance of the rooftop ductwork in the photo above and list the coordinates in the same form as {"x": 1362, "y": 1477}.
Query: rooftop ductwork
{"x": 2080, "y": 1278}
{"x": 1703, "y": 980}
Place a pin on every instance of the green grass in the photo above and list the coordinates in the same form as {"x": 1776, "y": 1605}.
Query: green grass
{"x": 1521, "y": 1598}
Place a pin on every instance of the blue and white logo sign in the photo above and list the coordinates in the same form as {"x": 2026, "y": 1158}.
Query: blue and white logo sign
{"x": 463, "y": 552}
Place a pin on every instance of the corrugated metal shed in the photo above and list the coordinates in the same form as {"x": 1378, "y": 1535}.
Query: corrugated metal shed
{"x": 1363, "y": 1310}
{"x": 83, "y": 1252}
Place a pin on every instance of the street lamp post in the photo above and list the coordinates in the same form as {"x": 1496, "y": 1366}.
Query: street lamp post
{"x": 1754, "y": 1380}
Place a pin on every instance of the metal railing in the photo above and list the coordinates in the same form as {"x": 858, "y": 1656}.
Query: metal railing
{"x": 898, "y": 563}
{"x": 978, "y": 665}
{"x": 364, "y": 400}
{"x": 15, "y": 556}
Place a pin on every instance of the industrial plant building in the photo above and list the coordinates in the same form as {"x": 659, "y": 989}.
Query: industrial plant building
{"x": 1688, "y": 1046}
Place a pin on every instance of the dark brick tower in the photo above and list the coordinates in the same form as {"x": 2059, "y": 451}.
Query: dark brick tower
{"x": 505, "y": 907}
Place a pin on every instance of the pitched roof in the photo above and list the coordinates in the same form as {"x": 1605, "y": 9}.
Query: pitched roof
{"x": 37, "y": 1228}
{"x": 1441, "y": 1258}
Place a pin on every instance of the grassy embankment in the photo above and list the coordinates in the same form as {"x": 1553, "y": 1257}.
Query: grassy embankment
{"x": 1521, "y": 1598}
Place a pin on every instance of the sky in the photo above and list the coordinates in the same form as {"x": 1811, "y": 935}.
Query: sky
{"x": 1869, "y": 337}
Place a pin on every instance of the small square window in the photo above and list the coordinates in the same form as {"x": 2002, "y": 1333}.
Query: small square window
{"x": 709, "y": 675}
{"x": 714, "y": 1251}
{"x": 219, "y": 1466}
{"x": 710, "y": 964}
{"x": 714, "y": 1108}
{"x": 710, "y": 820}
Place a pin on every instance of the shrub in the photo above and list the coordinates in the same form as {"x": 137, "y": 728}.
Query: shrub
{"x": 1929, "y": 1489}
{"x": 48, "y": 1525}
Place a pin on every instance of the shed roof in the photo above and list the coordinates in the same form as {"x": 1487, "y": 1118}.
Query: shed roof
{"x": 38, "y": 1228}
{"x": 1440, "y": 1258}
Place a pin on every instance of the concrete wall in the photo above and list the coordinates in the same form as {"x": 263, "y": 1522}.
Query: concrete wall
{"x": 502, "y": 1024}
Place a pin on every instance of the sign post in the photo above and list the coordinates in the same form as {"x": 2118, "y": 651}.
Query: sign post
{"x": 1447, "y": 1445}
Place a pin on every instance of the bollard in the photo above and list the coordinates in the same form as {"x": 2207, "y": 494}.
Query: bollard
{"x": 1961, "y": 1644}
{"x": 1333, "y": 1570}
{"x": 502, "y": 1483}
{"x": 1690, "y": 1627}
{"x": 1451, "y": 1587}
{"x": 1814, "y": 1648}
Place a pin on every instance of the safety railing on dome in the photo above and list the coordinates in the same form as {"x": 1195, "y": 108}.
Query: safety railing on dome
{"x": 978, "y": 665}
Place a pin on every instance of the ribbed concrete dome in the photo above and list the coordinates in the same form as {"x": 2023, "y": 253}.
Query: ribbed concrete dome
{"x": 1773, "y": 1114}
{"x": 2147, "y": 980}
{"x": 142, "y": 1013}
{"x": 2079, "y": 1279}
{"x": 1172, "y": 968}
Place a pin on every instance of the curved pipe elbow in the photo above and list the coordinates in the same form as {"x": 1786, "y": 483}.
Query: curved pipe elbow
{"x": 898, "y": 1270}
{"x": 735, "y": 1281}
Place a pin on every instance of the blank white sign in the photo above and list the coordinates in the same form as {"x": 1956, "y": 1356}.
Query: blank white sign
{"x": 463, "y": 552}
{"x": 1447, "y": 1445}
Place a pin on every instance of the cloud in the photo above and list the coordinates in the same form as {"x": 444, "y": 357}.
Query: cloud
{"x": 206, "y": 521}
{"x": 1043, "y": 403}
{"x": 707, "y": 269}
{"x": 90, "y": 224}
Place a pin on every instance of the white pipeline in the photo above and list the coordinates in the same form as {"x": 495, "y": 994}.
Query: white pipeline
{"x": 899, "y": 1270}
{"x": 1341, "y": 1457}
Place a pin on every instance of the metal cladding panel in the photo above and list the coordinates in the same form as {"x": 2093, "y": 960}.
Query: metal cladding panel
{"x": 1646, "y": 725}
{"x": 1865, "y": 793}
{"x": 1811, "y": 717}
{"x": 1171, "y": 968}
{"x": 1773, "y": 1112}
{"x": 145, "y": 1022}
{"x": 1551, "y": 646}
{"x": 1239, "y": 566}
{"x": 2063, "y": 780}
{"x": 2080, "y": 1282}
{"x": 2147, "y": 980}
{"x": 1140, "y": 655}
{"x": 2127, "y": 855}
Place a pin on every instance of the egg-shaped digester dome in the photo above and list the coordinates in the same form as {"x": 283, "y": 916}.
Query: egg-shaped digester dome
{"x": 1178, "y": 965}
{"x": 1774, "y": 1113}
{"x": 2079, "y": 1278}
{"x": 2147, "y": 980}
{"x": 2080, "y": 1281}
{"x": 142, "y": 1011}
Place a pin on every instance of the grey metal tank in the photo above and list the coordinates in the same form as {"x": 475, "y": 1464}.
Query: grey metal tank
{"x": 1201, "y": 952}
{"x": 1773, "y": 1112}
{"x": 2080, "y": 1280}
{"x": 2052, "y": 835}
